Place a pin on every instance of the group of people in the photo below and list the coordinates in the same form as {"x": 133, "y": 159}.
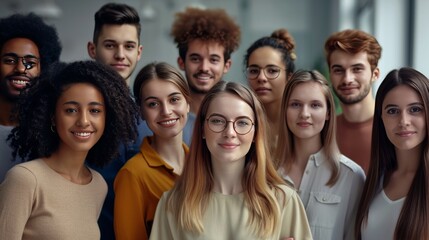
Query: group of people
{"x": 194, "y": 156}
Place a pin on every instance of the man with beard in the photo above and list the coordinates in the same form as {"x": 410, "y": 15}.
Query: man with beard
{"x": 205, "y": 39}
{"x": 352, "y": 57}
{"x": 28, "y": 46}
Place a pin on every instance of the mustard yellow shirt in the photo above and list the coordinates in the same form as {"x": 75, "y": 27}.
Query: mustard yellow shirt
{"x": 138, "y": 188}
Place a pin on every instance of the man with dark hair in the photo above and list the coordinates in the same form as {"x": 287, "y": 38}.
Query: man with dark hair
{"x": 116, "y": 43}
{"x": 205, "y": 39}
{"x": 28, "y": 46}
{"x": 116, "y": 40}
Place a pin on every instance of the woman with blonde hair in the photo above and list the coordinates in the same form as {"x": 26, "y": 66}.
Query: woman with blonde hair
{"x": 328, "y": 183}
{"x": 229, "y": 188}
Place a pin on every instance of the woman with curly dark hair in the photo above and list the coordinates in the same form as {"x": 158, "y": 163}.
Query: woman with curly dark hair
{"x": 79, "y": 113}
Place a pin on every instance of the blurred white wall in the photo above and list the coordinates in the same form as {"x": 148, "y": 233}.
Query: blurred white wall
{"x": 309, "y": 21}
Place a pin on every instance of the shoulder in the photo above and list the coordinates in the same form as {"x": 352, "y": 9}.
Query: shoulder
{"x": 350, "y": 165}
{"x": 24, "y": 175}
{"x": 287, "y": 193}
{"x": 33, "y": 166}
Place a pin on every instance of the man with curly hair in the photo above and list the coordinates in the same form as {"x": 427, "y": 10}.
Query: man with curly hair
{"x": 205, "y": 39}
{"x": 28, "y": 46}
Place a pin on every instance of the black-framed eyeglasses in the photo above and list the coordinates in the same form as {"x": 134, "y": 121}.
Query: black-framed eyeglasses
{"x": 271, "y": 72}
{"x": 241, "y": 125}
{"x": 28, "y": 61}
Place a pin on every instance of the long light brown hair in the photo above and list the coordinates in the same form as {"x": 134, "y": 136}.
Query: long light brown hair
{"x": 190, "y": 196}
{"x": 285, "y": 155}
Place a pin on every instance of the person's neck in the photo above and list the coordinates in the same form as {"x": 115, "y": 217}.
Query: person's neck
{"x": 304, "y": 148}
{"x": 273, "y": 114}
{"x": 6, "y": 108}
{"x": 361, "y": 111}
{"x": 196, "y": 99}
{"x": 408, "y": 160}
{"x": 228, "y": 177}
{"x": 70, "y": 165}
{"x": 171, "y": 151}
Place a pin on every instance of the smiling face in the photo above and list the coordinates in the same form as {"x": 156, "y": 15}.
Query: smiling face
{"x": 404, "y": 118}
{"x": 13, "y": 75}
{"x": 204, "y": 65}
{"x": 267, "y": 90}
{"x": 80, "y": 117}
{"x": 307, "y": 111}
{"x": 227, "y": 146}
{"x": 117, "y": 46}
{"x": 164, "y": 108}
{"x": 351, "y": 76}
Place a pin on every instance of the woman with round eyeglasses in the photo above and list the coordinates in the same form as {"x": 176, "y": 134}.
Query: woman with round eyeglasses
{"x": 268, "y": 63}
{"x": 229, "y": 188}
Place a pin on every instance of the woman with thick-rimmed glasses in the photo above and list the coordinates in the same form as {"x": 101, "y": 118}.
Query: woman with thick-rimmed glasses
{"x": 229, "y": 188}
{"x": 268, "y": 63}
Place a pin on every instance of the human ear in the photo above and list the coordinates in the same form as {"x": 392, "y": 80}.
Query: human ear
{"x": 91, "y": 50}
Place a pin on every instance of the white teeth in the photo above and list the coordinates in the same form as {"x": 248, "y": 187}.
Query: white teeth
{"x": 169, "y": 122}
{"x": 19, "y": 82}
{"x": 82, "y": 134}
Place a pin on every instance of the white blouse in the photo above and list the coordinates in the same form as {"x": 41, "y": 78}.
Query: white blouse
{"x": 331, "y": 211}
{"x": 383, "y": 215}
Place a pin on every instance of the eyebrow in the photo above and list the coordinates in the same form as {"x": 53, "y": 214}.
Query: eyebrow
{"x": 76, "y": 103}
{"x": 354, "y": 65}
{"x": 411, "y": 104}
{"x": 16, "y": 55}
{"x": 268, "y": 65}
{"x": 114, "y": 41}
{"x": 169, "y": 95}
{"x": 220, "y": 115}
{"x": 199, "y": 55}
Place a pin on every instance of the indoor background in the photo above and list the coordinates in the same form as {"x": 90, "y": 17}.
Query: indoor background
{"x": 397, "y": 24}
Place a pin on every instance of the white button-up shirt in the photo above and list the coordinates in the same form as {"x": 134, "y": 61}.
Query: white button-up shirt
{"x": 331, "y": 211}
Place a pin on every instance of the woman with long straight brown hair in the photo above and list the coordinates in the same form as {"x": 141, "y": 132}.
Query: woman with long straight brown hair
{"x": 395, "y": 203}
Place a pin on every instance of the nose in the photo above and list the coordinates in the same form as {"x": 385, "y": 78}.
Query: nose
{"x": 348, "y": 77}
{"x": 229, "y": 130}
{"x": 205, "y": 65}
{"x": 305, "y": 113}
{"x": 119, "y": 54}
{"x": 20, "y": 67}
{"x": 261, "y": 76}
{"x": 405, "y": 120}
{"x": 166, "y": 109}
{"x": 83, "y": 120}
